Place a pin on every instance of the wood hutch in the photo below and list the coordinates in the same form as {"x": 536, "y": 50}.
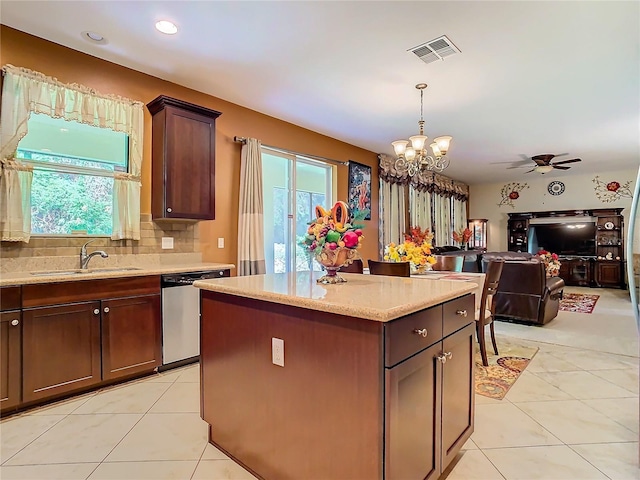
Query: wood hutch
{"x": 604, "y": 269}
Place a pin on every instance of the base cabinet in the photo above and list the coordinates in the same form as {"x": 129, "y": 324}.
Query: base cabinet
{"x": 609, "y": 273}
{"x": 73, "y": 336}
{"x": 131, "y": 334}
{"x": 10, "y": 358}
{"x": 576, "y": 272}
{"x": 61, "y": 348}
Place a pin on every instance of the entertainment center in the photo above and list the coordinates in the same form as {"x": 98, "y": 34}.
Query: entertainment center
{"x": 590, "y": 243}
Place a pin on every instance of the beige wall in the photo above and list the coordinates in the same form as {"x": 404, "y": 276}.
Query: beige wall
{"x": 70, "y": 66}
{"x": 579, "y": 194}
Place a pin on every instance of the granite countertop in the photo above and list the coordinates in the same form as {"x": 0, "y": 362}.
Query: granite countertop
{"x": 374, "y": 297}
{"x": 27, "y": 278}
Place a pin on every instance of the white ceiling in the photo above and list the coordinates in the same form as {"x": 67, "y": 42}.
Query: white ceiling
{"x": 533, "y": 77}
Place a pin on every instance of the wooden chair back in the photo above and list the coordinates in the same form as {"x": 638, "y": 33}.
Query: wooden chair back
{"x": 355, "y": 267}
{"x": 393, "y": 269}
{"x": 491, "y": 281}
{"x": 448, "y": 263}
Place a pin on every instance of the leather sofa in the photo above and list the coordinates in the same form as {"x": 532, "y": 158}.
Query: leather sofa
{"x": 525, "y": 294}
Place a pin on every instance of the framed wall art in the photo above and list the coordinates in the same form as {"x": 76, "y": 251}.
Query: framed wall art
{"x": 359, "y": 188}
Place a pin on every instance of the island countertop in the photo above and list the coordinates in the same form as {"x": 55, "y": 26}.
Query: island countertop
{"x": 373, "y": 297}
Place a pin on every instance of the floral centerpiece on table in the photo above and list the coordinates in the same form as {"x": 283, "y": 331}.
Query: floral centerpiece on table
{"x": 551, "y": 262}
{"x": 462, "y": 237}
{"x": 333, "y": 237}
{"x": 416, "y": 249}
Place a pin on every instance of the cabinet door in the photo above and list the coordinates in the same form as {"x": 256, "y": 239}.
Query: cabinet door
{"x": 61, "y": 349}
{"x": 608, "y": 274}
{"x": 131, "y": 329}
{"x": 10, "y": 359}
{"x": 458, "y": 392}
{"x": 413, "y": 417}
{"x": 189, "y": 165}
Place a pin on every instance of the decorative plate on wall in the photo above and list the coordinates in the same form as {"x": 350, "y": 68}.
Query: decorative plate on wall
{"x": 555, "y": 188}
{"x": 609, "y": 225}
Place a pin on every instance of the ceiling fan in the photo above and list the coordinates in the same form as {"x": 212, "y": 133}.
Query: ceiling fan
{"x": 545, "y": 165}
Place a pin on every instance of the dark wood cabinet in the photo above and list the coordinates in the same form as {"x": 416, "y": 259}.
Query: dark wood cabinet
{"x": 392, "y": 400}
{"x": 183, "y": 160}
{"x": 10, "y": 358}
{"x": 113, "y": 330}
{"x": 61, "y": 346}
{"x": 131, "y": 336}
{"x": 577, "y": 272}
{"x": 608, "y": 273}
{"x": 415, "y": 399}
{"x": 518, "y": 226}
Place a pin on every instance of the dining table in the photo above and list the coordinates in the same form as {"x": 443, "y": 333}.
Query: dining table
{"x": 439, "y": 275}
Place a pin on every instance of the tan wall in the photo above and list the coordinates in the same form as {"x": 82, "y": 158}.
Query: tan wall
{"x": 70, "y": 66}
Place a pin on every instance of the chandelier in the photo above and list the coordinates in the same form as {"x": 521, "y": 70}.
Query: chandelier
{"x": 413, "y": 158}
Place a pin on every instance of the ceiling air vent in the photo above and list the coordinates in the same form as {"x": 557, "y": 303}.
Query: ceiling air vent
{"x": 436, "y": 49}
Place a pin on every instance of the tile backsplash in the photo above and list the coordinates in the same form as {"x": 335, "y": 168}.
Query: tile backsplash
{"x": 185, "y": 240}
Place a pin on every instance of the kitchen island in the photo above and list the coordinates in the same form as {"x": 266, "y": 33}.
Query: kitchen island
{"x": 377, "y": 381}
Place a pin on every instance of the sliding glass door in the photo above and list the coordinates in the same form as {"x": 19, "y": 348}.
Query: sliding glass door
{"x": 293, "y": 186}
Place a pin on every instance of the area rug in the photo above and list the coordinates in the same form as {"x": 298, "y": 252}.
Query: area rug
{"x": 504, "y": 369}
{"x": 578, "y": 302}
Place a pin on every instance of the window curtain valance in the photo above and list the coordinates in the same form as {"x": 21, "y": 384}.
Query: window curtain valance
{"x": 423, "y": 181}
{"x": 25, "y": 91}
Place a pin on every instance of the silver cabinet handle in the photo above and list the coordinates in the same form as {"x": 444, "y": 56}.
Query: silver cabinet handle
{"x": 15, "y": 322}
{"x": 462, "y": 313}
{"x": 448, "y": 355}
{"x": 106, "y": 309}
{"x": 169, "y": 210}
{"x": 422, "y": 332}
{"x": 96, "y": 311}
{"x": 442, "y": 358}
{"x": 221, "y": 273}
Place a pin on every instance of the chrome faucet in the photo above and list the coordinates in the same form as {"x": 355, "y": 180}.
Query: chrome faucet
{"x": 84, "y": 258}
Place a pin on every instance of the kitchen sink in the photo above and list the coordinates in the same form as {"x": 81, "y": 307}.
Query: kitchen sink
{"x": 112, "y": 269}
{"x": 54, "y": 273}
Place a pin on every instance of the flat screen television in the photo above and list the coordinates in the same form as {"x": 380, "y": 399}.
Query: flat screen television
{"x": 565, "y": 239}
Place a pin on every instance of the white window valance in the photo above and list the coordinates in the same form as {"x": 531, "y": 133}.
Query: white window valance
{"x": 25, "y": 91}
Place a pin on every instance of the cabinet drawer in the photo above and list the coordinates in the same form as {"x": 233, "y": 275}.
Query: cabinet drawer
{"x": 408, "y": 335}
{"x": 458, "y": 313}
{"x": 10, "y": 298}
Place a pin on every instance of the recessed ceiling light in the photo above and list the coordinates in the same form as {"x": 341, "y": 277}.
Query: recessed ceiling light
{"x": 165, "y": 26}
{"x": 94, "y": 37}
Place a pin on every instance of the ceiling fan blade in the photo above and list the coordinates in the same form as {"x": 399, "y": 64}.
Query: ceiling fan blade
{"x": 561, "y": 168}
{"x": 543, "y": 159}
{"x": 520, "y": 166}
{"x": 573, "y": 160}
{"x": 532, "y": 170}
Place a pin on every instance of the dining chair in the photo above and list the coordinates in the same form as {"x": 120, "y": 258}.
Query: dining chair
{"x": 449, "y": 263}
{"x": 355, "y": 267}
{"x": 393, "y": 269}
{"x": 485, "y": 314}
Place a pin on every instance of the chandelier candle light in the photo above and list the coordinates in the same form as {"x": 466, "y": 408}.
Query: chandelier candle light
{"x": 415, "y": 157}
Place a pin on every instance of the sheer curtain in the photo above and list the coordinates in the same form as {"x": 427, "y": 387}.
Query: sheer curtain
{"x": 251, "y": 259}
{"x": 391, "y": 214}
{"x": 420, "y": 208}
{"x": 459, "y": 209}
{"x": 25, "y": 91}
{"x": 442, "y": 214}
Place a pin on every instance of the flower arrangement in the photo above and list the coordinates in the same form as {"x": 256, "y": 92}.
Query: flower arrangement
{"x": 416, "y": 249}
{"x": 462, "y": 237}
{"x": 551, "y": 262}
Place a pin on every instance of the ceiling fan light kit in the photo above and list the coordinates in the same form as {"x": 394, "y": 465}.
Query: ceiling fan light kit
{"x": 545, "y": 165}
{"x": 412, "y": 156}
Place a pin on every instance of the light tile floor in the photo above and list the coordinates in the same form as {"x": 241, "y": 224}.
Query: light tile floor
{"x": 573, "y": 414}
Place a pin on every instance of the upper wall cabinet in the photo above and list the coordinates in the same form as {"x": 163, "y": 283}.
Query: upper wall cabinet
{"x": 183, "y": 160}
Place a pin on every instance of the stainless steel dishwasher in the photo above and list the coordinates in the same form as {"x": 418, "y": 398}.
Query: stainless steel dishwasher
{"x": 181, "y": 317}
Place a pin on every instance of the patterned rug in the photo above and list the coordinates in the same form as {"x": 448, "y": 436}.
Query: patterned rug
{"x": 578, "y": 302}
{"x": 504, "y": 369}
